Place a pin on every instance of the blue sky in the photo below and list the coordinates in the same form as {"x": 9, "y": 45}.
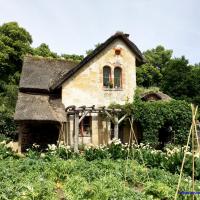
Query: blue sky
{"x": 74, "y": 26}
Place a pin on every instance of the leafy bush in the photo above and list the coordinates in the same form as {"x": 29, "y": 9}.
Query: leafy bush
{"x": 47, "y": 175}
{"x": 5, "y": 152}
{"x": 170, "y": 159}
{"x": 153, "y": 115}
{"x": 98, "y": 152}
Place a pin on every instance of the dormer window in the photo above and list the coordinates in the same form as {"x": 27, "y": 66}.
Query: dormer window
{"x": 107, "y": 76}
{"x": 117, "y": 77}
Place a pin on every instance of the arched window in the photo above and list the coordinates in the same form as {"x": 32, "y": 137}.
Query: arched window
{"x": 117, "y": 77}
{"x": 106, "y": 76}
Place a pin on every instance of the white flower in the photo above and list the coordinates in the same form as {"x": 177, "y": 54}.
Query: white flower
{"x": 52, "y": 147}
{"x": 116, "y": 141}
{"x": 3, "y": 142}
{"x": 42, "y": 155}
{"x": 141, "y": 144}
{"x": 35, "y": 145}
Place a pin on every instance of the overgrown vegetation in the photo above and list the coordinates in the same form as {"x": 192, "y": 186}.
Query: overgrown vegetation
{"x": 154, "y": 115}
{"x": 175, "y": 76}
{"x": 53, "y": 175}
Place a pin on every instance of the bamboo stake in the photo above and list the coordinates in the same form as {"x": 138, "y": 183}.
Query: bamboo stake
{"x": 183, "y": 162}
{"x": 196, "y": 134}
{"x": 133, "y": 132}
{"x": 193, "y": 150}
{"x": 193, "y": 181}
{"x": 126, "y": 167}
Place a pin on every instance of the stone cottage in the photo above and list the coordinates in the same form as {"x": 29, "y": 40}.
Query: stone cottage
{"x": 63, "y": 100}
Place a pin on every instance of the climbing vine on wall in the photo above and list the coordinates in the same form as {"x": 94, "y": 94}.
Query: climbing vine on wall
{"x": 152, "y": 116}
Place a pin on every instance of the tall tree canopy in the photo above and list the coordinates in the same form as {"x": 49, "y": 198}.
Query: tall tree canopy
{"x": 181, "y": 80}
{"x": 150, "y": 74}
{"x": 15, "y": 42}
{"x": 44, "y": 51}
{"x": 158, "y": 57}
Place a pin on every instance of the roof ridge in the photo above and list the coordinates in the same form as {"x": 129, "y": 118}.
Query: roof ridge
{"x": 100, "y": 48}
{"x": 39, "y": 58}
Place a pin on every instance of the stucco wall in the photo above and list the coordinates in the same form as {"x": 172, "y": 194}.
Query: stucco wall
{"x": 86, "y": 86}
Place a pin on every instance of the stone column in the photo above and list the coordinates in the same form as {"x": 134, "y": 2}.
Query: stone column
{"x": 24, "y": 138}
{"x": 95, "y": 131}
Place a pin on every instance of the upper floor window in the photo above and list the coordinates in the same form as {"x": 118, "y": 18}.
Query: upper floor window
{"x": 117, "y": 77}
{"x": 107, "y": 76}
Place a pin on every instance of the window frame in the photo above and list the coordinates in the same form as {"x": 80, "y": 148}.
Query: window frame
{"x": 108, "y": 77}
{"x": 119, "y": 78}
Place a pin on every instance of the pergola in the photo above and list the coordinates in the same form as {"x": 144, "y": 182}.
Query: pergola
{"x": 81, "y": 112}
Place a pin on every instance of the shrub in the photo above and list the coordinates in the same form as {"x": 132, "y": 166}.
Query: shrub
{"x": 153, "y": 115}
{"x": 98, "y": 152}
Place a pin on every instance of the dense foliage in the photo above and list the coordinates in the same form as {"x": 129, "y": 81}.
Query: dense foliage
{"x": 49, "y": 176}
{"x": 169, "y": 159}
{"x": 181, "y": 80}
{"x": 150, "y": 73}
{"x": 154, "y": 115}
{"x": 175, "y": 76}
{"x": 15, "y": 43}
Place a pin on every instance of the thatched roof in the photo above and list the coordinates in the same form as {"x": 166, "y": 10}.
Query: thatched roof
{"x": 39, "y": 74}
{"x": 39, "y": 107}
{"x": 155, "y": 96}
{"x": 118, "y": 35}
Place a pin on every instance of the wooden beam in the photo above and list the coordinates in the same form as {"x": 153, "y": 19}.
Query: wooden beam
{"x": 72, "y": 107}
{"x": 76, "y": 131}
{"x": 83, "y": 116}
{"x": 116, "y": 126}
{"x": 84, "y": 107}
{"x": 109, "y": 115}
{"x": 122, "y": 118}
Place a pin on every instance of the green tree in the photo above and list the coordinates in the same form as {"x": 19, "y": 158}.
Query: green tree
{"x": 89, "y": 51}
{"x": 158, "y": 57}
{"x": 44, "y": 51}
{"x": 15, "y": 42}
{"x": 175, "y": 80}
{"x": 148, "y": 75}
{"x": 193, "y": 85}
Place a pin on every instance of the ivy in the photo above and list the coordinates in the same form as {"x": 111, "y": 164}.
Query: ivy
{"x": 153, "y": 115}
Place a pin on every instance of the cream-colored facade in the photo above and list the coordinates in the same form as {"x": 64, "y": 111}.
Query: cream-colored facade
{"x": 85, "y": 87}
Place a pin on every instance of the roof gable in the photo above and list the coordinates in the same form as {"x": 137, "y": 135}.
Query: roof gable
{"x": 118, "y": 35}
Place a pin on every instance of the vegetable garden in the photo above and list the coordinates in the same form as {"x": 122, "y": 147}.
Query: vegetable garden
{"x": 101, "y": 172}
